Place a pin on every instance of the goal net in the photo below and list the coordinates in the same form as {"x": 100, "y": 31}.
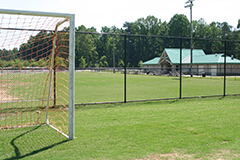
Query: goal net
{"x": 37, "y": 70}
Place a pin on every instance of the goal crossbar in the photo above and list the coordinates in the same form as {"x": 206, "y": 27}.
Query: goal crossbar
{"x": 36, "y": 13}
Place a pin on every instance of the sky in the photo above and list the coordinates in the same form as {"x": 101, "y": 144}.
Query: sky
{"x": 99, "y": 13}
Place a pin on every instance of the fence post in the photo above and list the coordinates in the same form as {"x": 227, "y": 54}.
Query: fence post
{"x": 125, "y": 69}
{"x": 113, "y": 56}
{"x": 225, "y": 66}
{"x": 180, "y": 89}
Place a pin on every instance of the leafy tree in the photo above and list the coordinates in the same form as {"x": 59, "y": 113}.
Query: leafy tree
{"x": 225, "y": 30}
{"x": 17, "y": 63}
{"x": 60, "y": 62}
{"x": 200, "y": 29}
{"x": 121, "y": 63}
{"x": 10, "y": 63}
{"x": 103, "y": 62}
{"x": 33, "y": 63}
{"x": 139, "y": 63}
{"x": 3, "y": 63}
{"x": 41, "y": 62}
{"x": 82, "y": 62}
{"x": 85, "y": 46}
{"x": 26, "y": 63}
{"x": 179, "y": 26}
{"x": 143, "y": 47}
{"x": 37, "y": 47}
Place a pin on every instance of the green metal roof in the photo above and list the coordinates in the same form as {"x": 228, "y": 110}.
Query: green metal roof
{"x": 153, "y": 61}
{"x": 199, "y": 57}
{"x": 211, "y": 59}
{"x": 174, "y": 54}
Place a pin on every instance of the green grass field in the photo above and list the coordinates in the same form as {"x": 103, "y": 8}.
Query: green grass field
{"x": 93, "y": 87}
{"x": 25, "y": 93}
{"x": 29, "y": 87}
{"x": 206, "y": 128}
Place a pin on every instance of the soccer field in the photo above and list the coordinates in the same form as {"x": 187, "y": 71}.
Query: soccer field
{"x": 204, "y": 128}
{"x": 93, "y": 87}
{"x": 180, "y": 128}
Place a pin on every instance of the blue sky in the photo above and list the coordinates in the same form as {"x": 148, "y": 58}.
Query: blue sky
{"x": 98, "y": 13}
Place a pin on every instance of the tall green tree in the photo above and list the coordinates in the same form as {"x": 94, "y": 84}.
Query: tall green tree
{"x": 142, "y": 48}
{"x": 85, "y": 48}
{"x": 37, "y": 47}
{"x": 179, "y": 26}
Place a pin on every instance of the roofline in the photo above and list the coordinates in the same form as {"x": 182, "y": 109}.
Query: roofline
{"x": 202, "y": 63}
{"x": 184, "y": 48}
{"x": 148, "y": 64}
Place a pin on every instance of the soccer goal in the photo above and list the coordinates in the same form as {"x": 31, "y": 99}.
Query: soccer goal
{"x": 37, "y": 51}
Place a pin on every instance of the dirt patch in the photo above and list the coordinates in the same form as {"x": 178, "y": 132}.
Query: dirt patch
{"x": 169, "y": 156}
{"x": 4, "y": 91}
{"x": 219, "y": 155}
{"x": 4, "y": 95}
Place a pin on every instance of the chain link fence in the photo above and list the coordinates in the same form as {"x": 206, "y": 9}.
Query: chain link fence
{"x": 154, "y": 67}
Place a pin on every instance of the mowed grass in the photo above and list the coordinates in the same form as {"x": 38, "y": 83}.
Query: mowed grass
{"x": 27, "y": 94}
{"x": 31, "y": 89}
{"x": 93, "y": 87}
{"x": 206, "y": 128}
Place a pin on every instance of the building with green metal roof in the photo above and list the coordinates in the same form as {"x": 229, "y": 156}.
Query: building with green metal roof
{"x": 211, "y": 64}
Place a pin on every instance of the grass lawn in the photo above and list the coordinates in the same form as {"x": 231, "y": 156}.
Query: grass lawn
{"x": 91, "y": 87}
{"x": 205, "y": 128}
{"x": 106, "y": 87}
{"x": 29, "y": 89}
{"x": 23, "y": 100}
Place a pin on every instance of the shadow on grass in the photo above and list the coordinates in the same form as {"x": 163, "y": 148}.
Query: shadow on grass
{"x": 17, "y": 148}
{"x": 117, "y": 105}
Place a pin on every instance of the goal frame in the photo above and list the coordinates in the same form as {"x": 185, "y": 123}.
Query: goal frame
{"x": 71, "y": 17}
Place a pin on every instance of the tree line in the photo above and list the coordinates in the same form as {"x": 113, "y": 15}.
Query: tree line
{"x": 107, "y": 50}
{"x": 36, "y": 52}
{"x": 96, "y": 50}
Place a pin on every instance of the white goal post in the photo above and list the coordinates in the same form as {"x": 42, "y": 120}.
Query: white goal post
{"x": 5, "y": 70}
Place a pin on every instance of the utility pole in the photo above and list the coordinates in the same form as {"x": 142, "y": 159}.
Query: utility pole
{"x": 190, "y": 4}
